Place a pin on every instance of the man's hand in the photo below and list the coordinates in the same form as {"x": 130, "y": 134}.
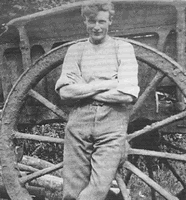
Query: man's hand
{"x": 75, "y": 78}
{"x": 113, "y": 96}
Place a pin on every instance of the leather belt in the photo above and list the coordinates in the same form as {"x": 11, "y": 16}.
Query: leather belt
{"x": 93, "y": 102}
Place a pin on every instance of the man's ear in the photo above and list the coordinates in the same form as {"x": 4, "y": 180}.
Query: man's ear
{"x": 111, "y": 17}
{"x": 85, "y": 21}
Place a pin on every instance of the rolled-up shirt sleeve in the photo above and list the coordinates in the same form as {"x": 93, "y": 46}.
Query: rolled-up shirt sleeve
{"x": 127, "y": 70}
{"x": 70, "y": 65}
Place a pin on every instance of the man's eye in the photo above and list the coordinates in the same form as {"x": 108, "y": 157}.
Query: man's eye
{"x": 102, "y": 22}
{"x": 91, "y": 21}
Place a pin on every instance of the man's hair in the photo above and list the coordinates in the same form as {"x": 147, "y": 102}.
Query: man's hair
{"x": 92, "y": 8}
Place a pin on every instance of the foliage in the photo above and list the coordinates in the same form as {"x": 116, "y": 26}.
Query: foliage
{"x": 51, "y": 152}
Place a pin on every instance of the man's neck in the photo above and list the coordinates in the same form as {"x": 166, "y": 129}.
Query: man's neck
{"x": 98, "y": 42}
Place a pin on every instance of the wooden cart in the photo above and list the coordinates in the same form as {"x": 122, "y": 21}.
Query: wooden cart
{"x": 32, "y": 50}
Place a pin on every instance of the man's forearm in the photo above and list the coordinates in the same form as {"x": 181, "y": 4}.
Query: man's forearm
{"x": 80, "y": 91}
{"x": 113, "y": 96}
{"x": 84, "y": 90}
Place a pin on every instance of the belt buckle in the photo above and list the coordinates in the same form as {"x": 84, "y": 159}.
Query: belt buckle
{"x": 97, "y": 103}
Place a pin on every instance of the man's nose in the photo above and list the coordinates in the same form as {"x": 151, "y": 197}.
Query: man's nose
{"x": 97, "y": 26}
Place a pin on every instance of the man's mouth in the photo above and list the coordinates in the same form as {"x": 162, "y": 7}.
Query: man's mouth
{"x": 97, "y": 33}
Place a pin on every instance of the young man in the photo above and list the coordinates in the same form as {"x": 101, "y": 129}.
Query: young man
{"x": 100, "y": 75}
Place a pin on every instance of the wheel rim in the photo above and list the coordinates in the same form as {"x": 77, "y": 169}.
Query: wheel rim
{"x": 14, "y": 184}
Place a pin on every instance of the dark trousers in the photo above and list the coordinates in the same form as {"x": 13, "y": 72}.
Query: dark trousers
{"x": 94, "y": 144}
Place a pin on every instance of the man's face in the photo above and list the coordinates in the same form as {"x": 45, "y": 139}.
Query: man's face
{"x": 97, "y": 26}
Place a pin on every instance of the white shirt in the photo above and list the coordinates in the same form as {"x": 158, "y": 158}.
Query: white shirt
{"x": 114, "y": 59}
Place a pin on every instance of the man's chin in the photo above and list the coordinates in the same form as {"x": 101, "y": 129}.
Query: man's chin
{"x": 97, "y": 40}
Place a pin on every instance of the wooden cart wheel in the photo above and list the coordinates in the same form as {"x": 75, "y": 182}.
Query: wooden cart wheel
{"x": 15, "y": 185}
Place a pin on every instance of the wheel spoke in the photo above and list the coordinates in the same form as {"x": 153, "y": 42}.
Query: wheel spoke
{"x": 129, "y": 173}
{"x": 157, "y": 125}
{"x": 39, "y": 138}
{"x": 48, "y": 104}
{"x": 122, "y": 187}
{"x": 172, "y": 156}
{"x": 40, "y": 173}
{"x": 152, "y": 85}
{"x": 37, "y": 163}
{"x": 149, "y": 181}
{"x": 51, "y": 182}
